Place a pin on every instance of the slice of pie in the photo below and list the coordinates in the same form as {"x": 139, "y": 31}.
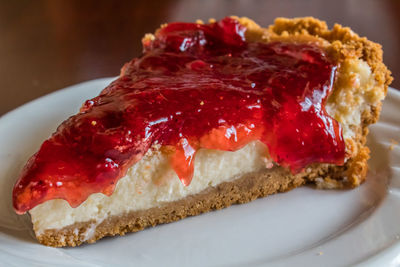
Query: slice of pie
{"x": 208, "y": 116}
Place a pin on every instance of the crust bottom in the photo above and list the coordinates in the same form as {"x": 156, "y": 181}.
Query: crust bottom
{"x": 244, "y": 189}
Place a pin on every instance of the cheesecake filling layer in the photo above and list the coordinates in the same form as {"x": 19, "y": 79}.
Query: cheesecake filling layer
{"x": 152, "y": 182}
{"x": 196, "y": 86}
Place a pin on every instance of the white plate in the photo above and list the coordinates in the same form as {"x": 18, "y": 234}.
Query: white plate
{"x": 304, "y": 227}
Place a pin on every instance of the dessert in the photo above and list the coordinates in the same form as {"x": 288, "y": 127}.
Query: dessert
{"x": 210, "y": 115}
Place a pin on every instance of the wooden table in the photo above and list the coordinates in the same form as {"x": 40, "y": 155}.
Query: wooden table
{"x": 47, "y": 45}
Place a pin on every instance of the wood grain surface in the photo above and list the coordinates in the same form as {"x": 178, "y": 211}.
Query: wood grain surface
{"x": 46, "y": 45}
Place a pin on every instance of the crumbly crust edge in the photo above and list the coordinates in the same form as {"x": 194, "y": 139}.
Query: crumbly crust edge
{"x": 340, "y": 43}
{"x": 242, "y": 190}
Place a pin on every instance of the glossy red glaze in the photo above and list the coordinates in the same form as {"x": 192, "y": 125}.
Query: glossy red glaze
{"x": 195, "y": 86}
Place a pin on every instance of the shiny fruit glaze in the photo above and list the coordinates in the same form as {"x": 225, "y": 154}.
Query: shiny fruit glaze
{"x": 195, "y": 86}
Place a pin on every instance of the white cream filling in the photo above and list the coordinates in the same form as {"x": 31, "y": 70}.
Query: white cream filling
{"x": 355, "y": 93}
{"x": 152, "y": 181}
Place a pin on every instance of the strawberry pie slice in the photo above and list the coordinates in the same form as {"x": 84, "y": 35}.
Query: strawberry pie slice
{"x": 208, "y": 116}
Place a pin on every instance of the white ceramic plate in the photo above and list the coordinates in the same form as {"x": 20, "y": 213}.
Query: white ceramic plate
{"x": 304, "y": 227}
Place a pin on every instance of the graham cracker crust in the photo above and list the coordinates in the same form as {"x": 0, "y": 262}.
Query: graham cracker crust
{"x": 340, "y": 43}
{"x": 242, "y": 190}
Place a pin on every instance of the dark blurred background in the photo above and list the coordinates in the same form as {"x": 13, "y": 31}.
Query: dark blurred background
{"x": 46, "y": 45}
